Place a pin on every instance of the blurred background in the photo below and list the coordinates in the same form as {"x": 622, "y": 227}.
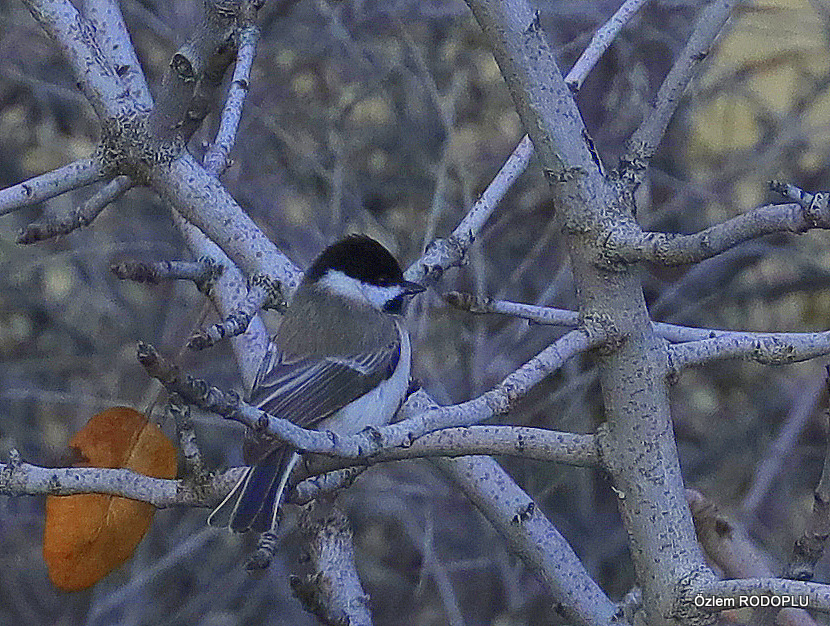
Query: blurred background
{"x": 389, "y": 118}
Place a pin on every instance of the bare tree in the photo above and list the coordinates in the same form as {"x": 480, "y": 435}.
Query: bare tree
{"x": 154, "y": 142}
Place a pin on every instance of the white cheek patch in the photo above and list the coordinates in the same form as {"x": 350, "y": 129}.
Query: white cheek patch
{"x": 339, "y": 283}
{"x": 378, "y": 297}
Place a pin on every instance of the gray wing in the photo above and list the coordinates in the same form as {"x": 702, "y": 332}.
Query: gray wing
{"x": 307, "y": 390}
{"x": 304, "y": 391}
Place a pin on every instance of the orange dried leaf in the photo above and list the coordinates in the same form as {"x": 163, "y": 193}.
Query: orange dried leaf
{"x": 87, "y": 536}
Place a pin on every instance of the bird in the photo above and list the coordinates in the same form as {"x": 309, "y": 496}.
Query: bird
{"x": 340, "y": 361}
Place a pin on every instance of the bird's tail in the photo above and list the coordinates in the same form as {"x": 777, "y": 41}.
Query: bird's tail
{"x": 254, "y": 503}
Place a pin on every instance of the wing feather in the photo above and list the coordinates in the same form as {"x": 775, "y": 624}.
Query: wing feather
{"x": 307, "y": 390}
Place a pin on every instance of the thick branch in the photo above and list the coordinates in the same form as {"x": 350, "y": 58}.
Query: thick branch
{"x": 111, "y": 34}
{"x": 75, "y": 37}
{"x": 542, "y": 98}
{"x": 204, "y": 202}
{"x": 194, "y": 75}
{"x": 637, "y": 444}
{"x": 333, "y": 593}
{"x": 525, "y": 528}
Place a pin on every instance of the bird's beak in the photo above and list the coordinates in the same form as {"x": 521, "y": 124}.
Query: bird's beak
{"x": 410, "y": 288}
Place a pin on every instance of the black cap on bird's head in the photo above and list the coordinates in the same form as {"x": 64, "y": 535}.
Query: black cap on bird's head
{"x": 364, "y": 259}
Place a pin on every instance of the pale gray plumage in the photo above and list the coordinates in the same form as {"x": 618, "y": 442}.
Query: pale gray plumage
{"x": 338, "y": 361}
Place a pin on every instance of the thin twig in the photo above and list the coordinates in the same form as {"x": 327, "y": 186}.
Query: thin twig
{"x": 647, "y": 137}
{"x": 81, "y": 216}
{"x": 216, "y": 159}
{"x": 673, "y": 333}
{"x": 600, "y": 42}
{"x": 186, "y": 436}
{"x": 629, "y": 245}
{"x": 538, "y": 314}
{"x": 768, "y": 472}
{"x": 444, "y": 253}
{"x": 494, "y": 402}
{"x": 811, "y": 545}
{"x": 200, "y": 272}
{"x": 263, "y": 293}
{"x": 40, "y": 188}
{"x": 764, "y": 348}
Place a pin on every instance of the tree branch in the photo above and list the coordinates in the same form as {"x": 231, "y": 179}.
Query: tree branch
{"x": 494, "y": 402}
{"x": 113, "y": 38}
{"x": 263, "y": 293}
{"x": 600, "y": 42}
{"x": 673, "y": 333}
{"x": 729, "y": 546}
{"x": 637, "y": 443}
{"x": 740, "y": 592}
{"x": 19, "y": 478}
{"x": 630, "y": 245}
{"x": 80, "y": 216}
{"x": 333, "y": 593}
{"x": 538, "y": 444}
{"x": 765, "y": 348}
{"x": 40, "y": 188}
{"x": 445, "y": 253}
{"x": 75, "y": 37}
{"x": 643, "y": 143}
{"x": 523, "y": 525}
{"x": 216, "y": 159}
{"x": 204, "y": 202}
{"x": 810, "y": 547}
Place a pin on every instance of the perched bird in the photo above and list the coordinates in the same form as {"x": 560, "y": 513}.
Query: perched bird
{"x": 339, "y": 361}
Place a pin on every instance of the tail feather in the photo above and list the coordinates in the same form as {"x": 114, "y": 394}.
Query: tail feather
{"x": 255, "y": 500}
{"x": 268, "y": 516}
{"x": 221, "y": 515}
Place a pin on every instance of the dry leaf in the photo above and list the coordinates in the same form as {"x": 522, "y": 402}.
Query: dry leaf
{"x": 88, "y": 535}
